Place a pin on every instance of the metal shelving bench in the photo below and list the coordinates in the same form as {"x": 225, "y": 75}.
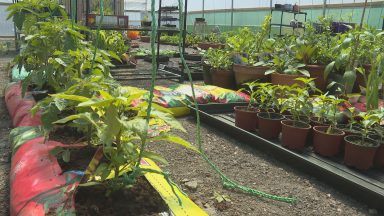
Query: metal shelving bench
{"x": 281, "y": 25}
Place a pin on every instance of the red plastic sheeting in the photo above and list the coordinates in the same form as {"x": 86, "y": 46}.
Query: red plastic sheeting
{"x": 36, "y": 179}
{"x": 37, "y": 183}
{"x": 14, "y": 100}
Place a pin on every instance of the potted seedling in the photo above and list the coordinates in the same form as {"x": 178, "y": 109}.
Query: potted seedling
{"x": 246, "y": 116}
{"x": 360, "y": 150}
{"x": 327, "y": 139}
{"x": 213, "y": 40}
{"x": 295, "y": 131}
{"x": 284, "y": 70}
{"x": 221, "y": 68}
{"x": 249, "y": 48}
{"x": 315, "y": 51}
{"x": 269, "y": 120}
{"x": 379, "y": 137}
{"x": 320, "y": 111}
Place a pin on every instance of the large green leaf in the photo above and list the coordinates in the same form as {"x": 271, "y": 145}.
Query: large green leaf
{"x": 96, "y": 103}
{"x": 155, "y": 157}
{"x": 349, "y": 80}
{"x": 169, "y": 119}
{"x": 329, "y": 69}
{"x": 71, "y": 97}
{"x": 176, "y": 140}
{"x": 67, "y": 119}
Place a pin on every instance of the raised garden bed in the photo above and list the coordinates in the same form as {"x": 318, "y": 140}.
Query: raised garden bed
{"x": 366, "y": 186}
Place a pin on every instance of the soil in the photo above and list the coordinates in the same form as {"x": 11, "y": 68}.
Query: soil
{"x": 272, "y": 116}
{"x": 251, "y": 168}
{"x": 141, "y": 200}
{"x": 357, "y": 140}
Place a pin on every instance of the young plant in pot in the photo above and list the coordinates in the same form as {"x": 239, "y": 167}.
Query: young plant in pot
{"x": 249, "y": 48}
{"x": 360, "y": 150}
{"x": 221, "y": 72}
{"x": 295, "y": 131}
{"x": 352, "y": 127}
{"x": 327, "y": 140}
{"x": 314, "y": 50}
{"x": 320, "y": 111}
{"x": 284, "y": 70}
{"x": 246, "y": 116}
{"x": 378, "y": 135}
{"x": 269, "y": 120}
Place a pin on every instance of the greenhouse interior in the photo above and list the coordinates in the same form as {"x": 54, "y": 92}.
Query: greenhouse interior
{"x": 191, "y": 107}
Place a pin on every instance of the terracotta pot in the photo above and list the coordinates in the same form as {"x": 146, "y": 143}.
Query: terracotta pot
{"x": 327, "y": 144}
{"x": 285, "y": 79}
{"x": 347, "y": 132}
{"x": 379, "y": 157}
{"x": 357, "y": 155}
{"x": 206, "y": 46}
{"x": 223, "y": 78}
{"x": 294, "y": 137}
{"x": 207, "y": 74}
{"x": 317, "y": 72}
{"x": 270, "y": 127}
{"x": 246, "y": 118}
{"x": 246, "y": 73}
{"x": 145, "y": 39}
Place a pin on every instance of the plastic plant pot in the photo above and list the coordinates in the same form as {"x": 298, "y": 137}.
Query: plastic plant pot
{"x": 294, "y": 134}
{"x": 223, "y": 78}
{"x": 246, "y": 118}
{"x": 245, "y": 73}
{"x": 379, "y": 157}
{"x": 358, "y": 155}
{"x": 270, "y": 125}
{"x": 325, "y": 144}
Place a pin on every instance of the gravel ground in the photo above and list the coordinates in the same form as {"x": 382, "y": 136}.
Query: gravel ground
{"x": 254, "y": 169}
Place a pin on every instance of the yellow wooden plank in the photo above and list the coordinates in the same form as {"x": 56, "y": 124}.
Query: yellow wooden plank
{"x": 187, "y": 208}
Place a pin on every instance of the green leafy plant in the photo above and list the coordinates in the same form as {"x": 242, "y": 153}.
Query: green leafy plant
{"x": 326, "y": 110}
{"x": 120, "y": 129}
{"x": 373, "y": 81}
{"x": 297, "y": 100}
{"x": 284, "y": 64}
{"x": 113, "y": 41}
{"x": 369, "y": 120}
{"x": 27, "y": 13}
{"x": 218, "y": 59}
{"x": 250, "y": 89}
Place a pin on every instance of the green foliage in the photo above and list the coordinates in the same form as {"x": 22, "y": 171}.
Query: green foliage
{"x": 25, "y": 14}
{"x": 369, "y": 119}
{"x": 285, "y": 64}
{"x": 297, "y": 99}
{"x": 327, "y": 108}
{"x": 218, "y": 59}
{"x": 120, "y": 129}
{"x": 253, "y": 46}
{"x": 373, "y": 81}
{"x": 171, "y": 39}
{"x": 112, "y": 41}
